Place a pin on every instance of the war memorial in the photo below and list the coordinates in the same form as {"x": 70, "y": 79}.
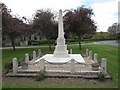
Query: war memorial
{"x": 62, "y": 63}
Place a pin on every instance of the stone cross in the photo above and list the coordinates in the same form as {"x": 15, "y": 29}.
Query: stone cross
{"x": 72, "y": 66}
{"x": 34, "y": 54}
{"x": 15, "y": 65}
{"x": 90, "y": 55}
{"x": 27, "y": 58}
{"x": 39, "y": 52}
{"x": 87, "y": 52}
{"x": 103, "y": 66}
{"x": 70, "y": 51}
{"x": 96, "y": 58}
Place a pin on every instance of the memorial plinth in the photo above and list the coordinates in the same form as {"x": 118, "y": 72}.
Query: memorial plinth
{"x": 51, "y": 59}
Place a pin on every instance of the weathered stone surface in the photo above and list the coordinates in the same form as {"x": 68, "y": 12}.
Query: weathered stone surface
{"x": 70, "y": 51}
{"x": 15, "y": 65}
{"x": 103, "y": 66}
{"x": 90, "y": 55}
{"x": 72, "y": 66}
{"x": 34, "y": 54}
{"x": 42, "y": 64}
{"x": 39, "y": 52}
{"x": 96, "y": 58}
{"x": 24, "y": 65}
{"x": 87, "y": 52}
{"x": 95, "y": 66}
{"x": 27, "y": 58}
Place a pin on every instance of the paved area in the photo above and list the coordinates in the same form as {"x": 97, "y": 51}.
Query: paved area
{"x": 113, "y": 43}
{"x": 23, "y": 47}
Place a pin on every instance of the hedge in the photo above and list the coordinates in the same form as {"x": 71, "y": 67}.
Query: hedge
{"x": 39, "y": 42}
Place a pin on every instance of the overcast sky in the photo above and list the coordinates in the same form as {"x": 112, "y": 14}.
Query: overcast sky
{"x": 106, "y": 11}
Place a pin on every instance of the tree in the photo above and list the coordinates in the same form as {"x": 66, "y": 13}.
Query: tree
{"x": 113, "y": 30}
{"x": 12, "y": 26}
{"x": 79, "y": 21}
{"x": 26, "y": 28}
{"x": 44, "y": 22}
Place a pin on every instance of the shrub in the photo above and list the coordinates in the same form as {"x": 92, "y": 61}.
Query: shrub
{"x": 8, "y": 65}
{"x": 20, "y": 61}
{"x": 71, "y": 40}
{"x": 40, "y": 76}
{"x": 30, "y": 58}
{"x": 101, "y": 76}
{"x": 33, "y": 41}
{"x": 40, "y": 42}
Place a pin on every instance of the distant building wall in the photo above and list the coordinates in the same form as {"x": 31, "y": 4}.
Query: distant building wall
{"x": 22, "y": 40}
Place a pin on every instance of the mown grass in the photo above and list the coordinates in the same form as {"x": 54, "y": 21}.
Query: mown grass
{"x": 25, "y": 84}
{"x": 9, "y": 54}
{"x": 111, "y": 54}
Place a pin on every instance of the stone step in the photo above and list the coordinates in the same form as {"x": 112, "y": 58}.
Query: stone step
{"x": 59, "y": 75}
{"x": 21, "y": 75}
{"x": 59, "y": 71}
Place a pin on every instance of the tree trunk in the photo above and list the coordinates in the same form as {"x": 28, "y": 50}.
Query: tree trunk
{"x": 13, "y": 44}
{"x": 79, "y": 43}
{"x": 49, "y": 45}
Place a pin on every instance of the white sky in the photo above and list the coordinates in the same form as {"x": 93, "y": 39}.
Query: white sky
{"x": 106, "y": 11}
{"x": 106, "y": 14}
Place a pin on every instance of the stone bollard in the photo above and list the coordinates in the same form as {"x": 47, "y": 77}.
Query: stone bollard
{"x": 70, "y": 51}
{"x": 103, "y": 66}
{"x": 39, "y": 52}
{"x": 72, "y": 66}
{"x": 42, "y": 64}
{"x": 95, "y": 58}
{"x": 15, "y": 65}
{"x": 87, "y": 52}
{"x": 34, "y": 55}
{"x": 27, "y": 58}
{"x": 90, "y": 55}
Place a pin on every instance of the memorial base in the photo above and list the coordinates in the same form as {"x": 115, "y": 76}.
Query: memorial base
{"x": 51, "y": 59}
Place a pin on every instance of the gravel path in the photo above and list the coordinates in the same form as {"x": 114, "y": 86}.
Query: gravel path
{"x": 113, "y": 43}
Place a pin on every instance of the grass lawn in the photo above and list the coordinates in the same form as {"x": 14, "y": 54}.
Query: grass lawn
{"x": 103, "y": 51}
{"x": 25, "y": 84}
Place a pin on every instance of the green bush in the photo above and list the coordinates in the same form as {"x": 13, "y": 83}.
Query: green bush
{"x": 40, "y": 42}
{"x": 101, "y": 76}
{"x": 71, "y": 40}
{"x": 40, "y": 76}
{"x": 8, "y": 65}
{"x": 52, "y": 41}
